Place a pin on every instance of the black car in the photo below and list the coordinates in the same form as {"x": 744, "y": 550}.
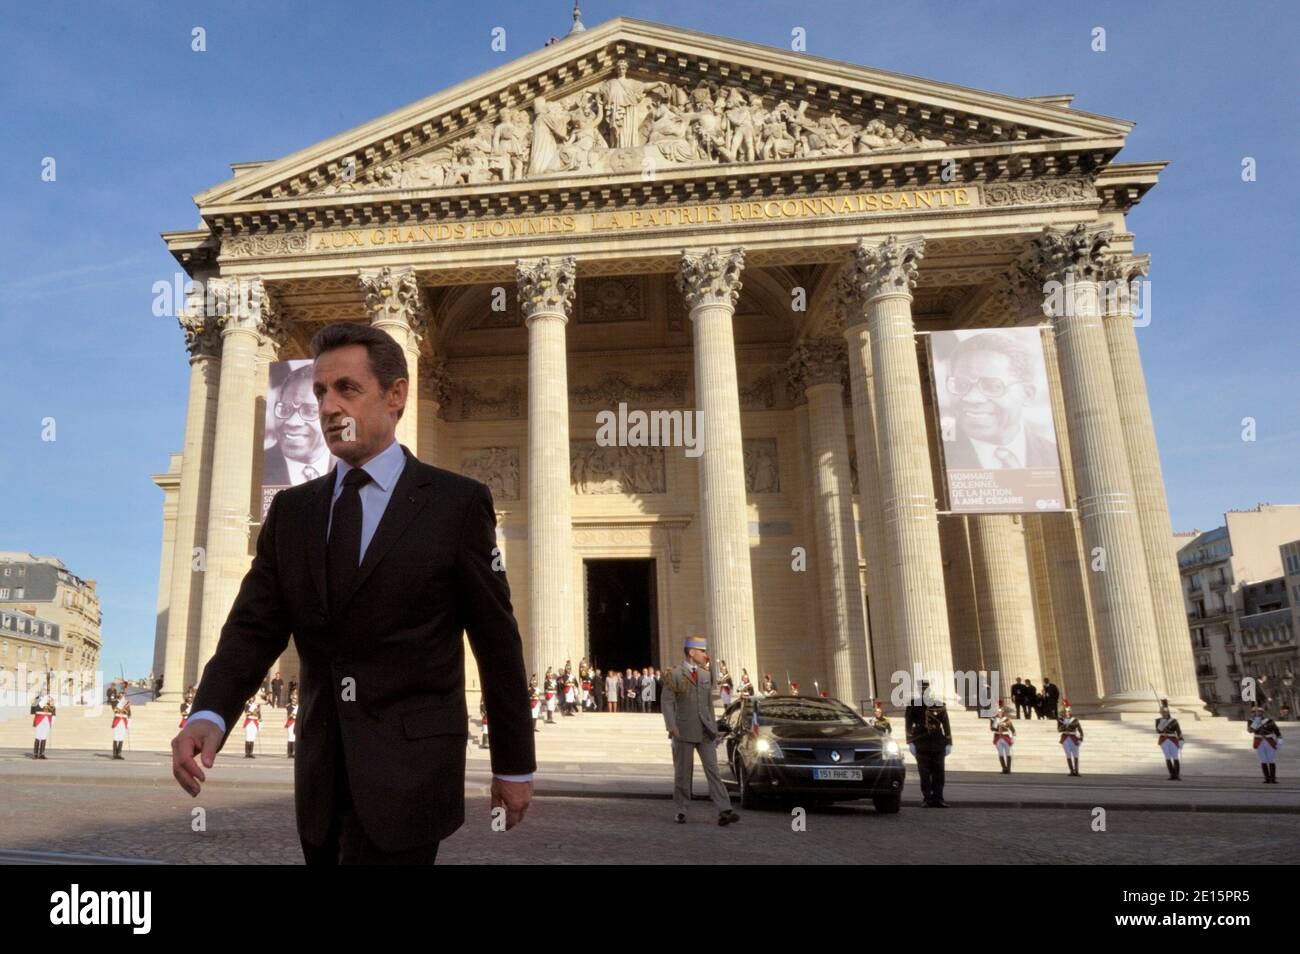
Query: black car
{"x": 810, "y": 747}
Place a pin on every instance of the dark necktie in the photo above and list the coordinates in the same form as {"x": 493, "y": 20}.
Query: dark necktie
{"x": 343, "y": 553}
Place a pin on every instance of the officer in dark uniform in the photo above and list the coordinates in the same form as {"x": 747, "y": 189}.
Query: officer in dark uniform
{"x": 929, "y": 739}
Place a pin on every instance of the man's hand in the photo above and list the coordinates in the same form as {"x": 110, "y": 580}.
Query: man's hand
{"x": 199, "y": 737}
{"x": 672, "y": 731}
{"x": 514, "y": 796}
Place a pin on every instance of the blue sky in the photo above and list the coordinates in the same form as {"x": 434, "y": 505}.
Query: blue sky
{"x": 138, "y": 123}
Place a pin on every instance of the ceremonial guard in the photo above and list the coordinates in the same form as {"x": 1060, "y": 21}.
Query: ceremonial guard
{"x": 570, "y": 695}
{"x": 693, "y": 728}
{"x": 551, "y": 690}
{"x": 483, "y": 724}
{"x": 1071, "y": 736}
{"x": 534, "y": 703}
{"x": 768, "y": 688}
{"x": 725, "y": 684}
{"x": 252, "y": 722}
{"x": 1268, "y": 739}
{"x": 584, "y": 692}
{"x": 1004, "y": 732}
{"x": 291, "y": 721}
{"x": 746, "y": 685}
{"x": 42, "y": 722}
{"x": 929, "y": 739}
{"x": 187, "y": 706}
{"x": 121, "y": 722}
{"x": 1170, "y": 736}
{"x": 879, "y": 720}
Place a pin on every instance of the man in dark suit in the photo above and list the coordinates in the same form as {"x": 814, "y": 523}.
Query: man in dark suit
{"x": 1050, "y": 696}
{"x": 991, "y": 381}
{"x": 375, "y": 568}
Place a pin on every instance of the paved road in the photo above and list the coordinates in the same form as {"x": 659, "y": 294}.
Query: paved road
{"x": 152, "y": 823}
{"x": 92, "y": 806}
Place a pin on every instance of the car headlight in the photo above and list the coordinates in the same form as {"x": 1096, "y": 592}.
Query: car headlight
{"x": 768, "y": 748}
{"x": 891, "y": 750}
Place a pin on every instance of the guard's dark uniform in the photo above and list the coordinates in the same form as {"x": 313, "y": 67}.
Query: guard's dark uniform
{"x": 928, "y": 730}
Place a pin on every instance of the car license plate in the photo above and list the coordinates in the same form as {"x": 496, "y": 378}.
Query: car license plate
{"x": 837, "y": 775}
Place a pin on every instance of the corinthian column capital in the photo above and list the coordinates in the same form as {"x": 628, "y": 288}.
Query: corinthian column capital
{"x": 245, "y": 304}
{"x": 1119, "y": 275}
{"x": 435, "y": 380}
{"x": 546, "y": 285}
{"x": 850, "y": 307}
{"x": 202, "y": 331}
{"x": 1069, "y": 255}
{"x": 1019, "y": 295}
{"x": 393, "y": 295}
{"x": 886, "y": 269}
{"x": 817, "y": 361}
{"x": 711, "y": 277}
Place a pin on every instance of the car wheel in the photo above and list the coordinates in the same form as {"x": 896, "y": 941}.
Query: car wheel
{"x": 888, "y": 804}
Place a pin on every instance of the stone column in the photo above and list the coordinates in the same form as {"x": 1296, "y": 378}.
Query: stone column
{"x": 1004, "y": 598}
{"x": 1044, "y": 612}
{"x": 546, "y": 288}
{"x": 1063, "y": 547}
{"x": 396, "y": 307}
{"x": 170, "y": 484}
{"x": 433, "y": 395}
{"x": 203, "y": 341}
{"x": 1068, "y": 265}
{"x": 710, "y": 283}
{"x": 247, "y": 318}
{"x": 886, "y": 650}
{"x": 885, "y": 274}
{"x": 818, "y": 368}
{"x": 1148, "y": 483}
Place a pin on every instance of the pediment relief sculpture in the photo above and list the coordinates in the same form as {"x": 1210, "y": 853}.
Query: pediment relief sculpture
{"x": 623, "y": 124}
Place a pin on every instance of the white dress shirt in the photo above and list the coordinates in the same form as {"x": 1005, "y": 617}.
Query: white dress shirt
{"x": 384, "y": 470}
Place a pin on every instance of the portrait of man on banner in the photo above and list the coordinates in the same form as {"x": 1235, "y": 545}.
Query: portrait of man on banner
{"x": 294, "y": 449}
{"x": 999, "y": 440}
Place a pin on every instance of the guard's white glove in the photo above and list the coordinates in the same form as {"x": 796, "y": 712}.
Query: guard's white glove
{"x": 911, "y": 747}
{"x": 947, "y": 750}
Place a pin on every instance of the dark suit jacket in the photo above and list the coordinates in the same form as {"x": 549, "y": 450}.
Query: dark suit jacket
{"x": 275, "y": 469}
{"x": 960, "y": 453}
{"x": 426, "y": 576}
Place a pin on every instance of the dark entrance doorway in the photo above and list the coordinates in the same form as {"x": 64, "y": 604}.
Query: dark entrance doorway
{"x": 622, "y": 617}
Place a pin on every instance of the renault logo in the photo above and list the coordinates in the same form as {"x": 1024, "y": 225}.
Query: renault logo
{"x": 835, "y": 755}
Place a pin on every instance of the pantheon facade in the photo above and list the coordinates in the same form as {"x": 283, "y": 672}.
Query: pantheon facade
{"x": 643, "y": 218}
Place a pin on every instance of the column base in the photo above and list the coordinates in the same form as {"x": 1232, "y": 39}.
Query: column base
{"x": 1124, "y": 703}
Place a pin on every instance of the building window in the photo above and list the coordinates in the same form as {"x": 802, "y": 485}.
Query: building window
{"x": 4, "y": 592}
{"x": 18, "y": 592}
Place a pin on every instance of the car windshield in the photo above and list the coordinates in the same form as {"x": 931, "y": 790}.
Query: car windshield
{"x": 829, "y": 711}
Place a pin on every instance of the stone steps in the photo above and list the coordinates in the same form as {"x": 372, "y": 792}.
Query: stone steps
{"x": 1214, "y": 746}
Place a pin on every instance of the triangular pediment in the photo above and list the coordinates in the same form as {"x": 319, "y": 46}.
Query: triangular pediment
{"x": 634, "y": 98}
